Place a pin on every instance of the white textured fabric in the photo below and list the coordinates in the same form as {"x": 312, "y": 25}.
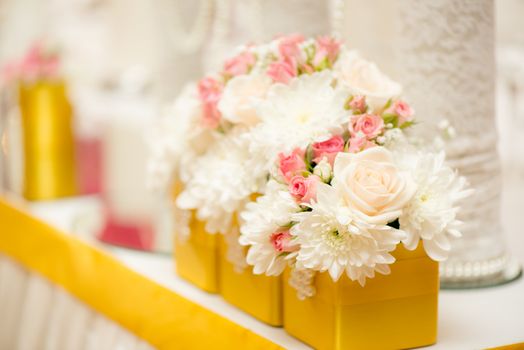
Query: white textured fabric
{"x": 36, "y": 314}
{"x": 446, "y": 60}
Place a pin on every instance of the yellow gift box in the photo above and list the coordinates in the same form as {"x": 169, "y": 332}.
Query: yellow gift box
{"x": 258, "y": 295}
{"x": 197, "y": 256}
{"x": 394, "y": 311}
{"x": 47, "y": 123}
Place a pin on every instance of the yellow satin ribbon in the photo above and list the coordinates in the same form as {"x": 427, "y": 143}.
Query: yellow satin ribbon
{"x": 154, "y": 313}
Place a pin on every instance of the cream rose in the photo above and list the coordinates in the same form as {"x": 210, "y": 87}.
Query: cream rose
{"x": 370, "y": 183}
{"x": 362, "y": 77}
{"x": 239, "y": 97}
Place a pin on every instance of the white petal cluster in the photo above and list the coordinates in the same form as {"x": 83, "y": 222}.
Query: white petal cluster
{"x": 336, "y": 239}
{"x": 307, "y": 110}
{"x": 260, "y": 219}
{"x": 176, "y": 139}
{"x": 222, "y": 181}
{"x": 431, "y": 215}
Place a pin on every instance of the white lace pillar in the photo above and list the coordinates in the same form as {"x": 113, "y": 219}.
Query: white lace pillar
{"x": 446, "y": 65}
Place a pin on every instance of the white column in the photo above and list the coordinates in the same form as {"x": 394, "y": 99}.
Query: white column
{"x": 446, "y": 65}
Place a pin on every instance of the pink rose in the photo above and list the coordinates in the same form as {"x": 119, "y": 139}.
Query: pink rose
{"x": 304, "y": 189}
{"x": 292, "y": 164}
{"x": 358, "y": 104}
{"x": 240, "y": 64}
{"x": 282, "y": 242}
{"x": 282, "y": 71}
{"x": 210, "y": 91}
{"x": 370, "y": 125}
{"x": 326, "y": 48}
{"x": 328, "y": 149}
{"x": 359, "y": 143}
{"x": 403, "y": 111}
{"x": 288, "y": 47}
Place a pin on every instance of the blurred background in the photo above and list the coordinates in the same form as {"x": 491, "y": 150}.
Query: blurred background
{"x": 124, "y": 61}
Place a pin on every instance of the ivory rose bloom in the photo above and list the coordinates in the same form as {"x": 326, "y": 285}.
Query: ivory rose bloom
{"x": 370, "y": 125}
{"x": 371, "y": 184}
{"x": 362, "y": 77}
{"x": 240, "y": 96}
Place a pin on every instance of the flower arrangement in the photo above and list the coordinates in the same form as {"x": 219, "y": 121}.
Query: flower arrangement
{"x": 38, "y": 63}
{"x": 319, "y": 135}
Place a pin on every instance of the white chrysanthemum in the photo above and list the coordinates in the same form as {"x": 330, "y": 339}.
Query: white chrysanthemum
{"x": 177, "y": 138}
{"x": 431, "y": 214}
{"x": 222, "y": 181}
{"x": 334, "y": 238}
{"x": 270, "y": 213}
{"x": 308, "y": 109}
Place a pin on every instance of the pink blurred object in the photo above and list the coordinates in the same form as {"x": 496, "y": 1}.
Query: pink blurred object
{"x": 127, "y": 233}
{"x": 89, "y": 165}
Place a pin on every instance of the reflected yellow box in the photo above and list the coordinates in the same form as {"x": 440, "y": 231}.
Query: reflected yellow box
{"x": 396, "y": 311}
{"x": 49, "y": 148}
{"x": 196, "y": 257}
{"x": 258, "y": 295}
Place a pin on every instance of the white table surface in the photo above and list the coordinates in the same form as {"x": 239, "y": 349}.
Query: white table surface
{"x": 468, "y": 319}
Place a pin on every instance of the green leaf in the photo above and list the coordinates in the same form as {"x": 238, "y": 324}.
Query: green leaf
{"x": 407, "y": 124}
{"x": 309, "y": 158}
{"x": 390, "y": 118}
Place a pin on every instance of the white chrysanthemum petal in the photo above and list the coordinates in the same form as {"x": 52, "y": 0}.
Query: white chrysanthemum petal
{"x": 308, "y": 109}
{"x": 336, "y": 243}
{"x": 222, "y": 181}
{"x": 431, "y": 214}
{"x": 260, "y": 220}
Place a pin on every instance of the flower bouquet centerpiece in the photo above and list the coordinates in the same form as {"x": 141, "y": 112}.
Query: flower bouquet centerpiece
{"x": 354, "y": 213}
{"x": 47, "y": 123}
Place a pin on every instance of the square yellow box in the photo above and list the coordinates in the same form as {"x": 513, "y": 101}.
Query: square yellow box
{"x": 258, "y": 295}
{"x": 395, "y": 311}
{"x": 196, "y": 257}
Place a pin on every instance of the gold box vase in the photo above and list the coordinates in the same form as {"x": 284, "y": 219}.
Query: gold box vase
{"x": 258, "y": 295}
{"x": 47, "y": 127}
{"x": 394, "y": 311}
{"x": 196, "y": 253}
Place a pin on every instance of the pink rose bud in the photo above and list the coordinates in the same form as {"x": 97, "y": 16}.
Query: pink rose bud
{"x": 358, "y": 104}
{"x": 370, "y": 125}
{"x": 210, "y": 115}
{"x": 288, "y": 47}
{"x": 210, "y": 91}
{"x": 304, "y": 189}
{"x": 282, "y": 242}
{"x": 240, "y": 64}
{"x": 358, "y": 143}
{"x": 291, "y": 164}
{"x": 326, "y": 47}
{"x": 328, "y": 149}
{"x": 282, "y": 71}
{"x": 403, "y": 110}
